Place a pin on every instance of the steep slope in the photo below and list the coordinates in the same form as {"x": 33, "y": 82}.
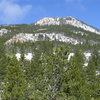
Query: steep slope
{"x": 68, "y": 20}
{"x": 62, "y": 30}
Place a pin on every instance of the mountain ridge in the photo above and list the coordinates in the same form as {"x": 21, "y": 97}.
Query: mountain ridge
{"x": 70, "y": 30}
{"x": 67, "y": 20}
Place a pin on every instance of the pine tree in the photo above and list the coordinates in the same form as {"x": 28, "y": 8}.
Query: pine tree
{"x": 4, "y": 60}
{"x": 47, "y": 74}
{"x": 92, "y": 79}
{"x": 74, "y": 85}
{"x": 14, "y": 82}
{"x": 55, "y": 65}
{"x": 36, "y": 85}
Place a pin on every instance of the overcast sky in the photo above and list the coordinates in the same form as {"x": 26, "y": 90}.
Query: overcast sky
{"x": 29, "y": 11}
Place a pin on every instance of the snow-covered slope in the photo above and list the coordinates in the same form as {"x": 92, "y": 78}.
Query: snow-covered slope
{"x": 25, "y": 37}
{"x": 68, "y": 20}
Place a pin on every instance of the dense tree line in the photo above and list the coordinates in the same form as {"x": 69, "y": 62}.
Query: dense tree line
{"x": 50, "y": 76}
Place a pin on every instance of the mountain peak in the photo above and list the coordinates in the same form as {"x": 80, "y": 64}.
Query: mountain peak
{"x": 70, "y": 17}
{"x": 66, "y": 21}
{"x": 54, "y": 20}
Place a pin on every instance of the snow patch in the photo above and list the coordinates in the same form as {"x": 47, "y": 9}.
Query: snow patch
{"x": 18, "y": 56}
{"x": 70, "y": 55}
{"x": 28, "y": 56}
{"x": 87, "y": 56}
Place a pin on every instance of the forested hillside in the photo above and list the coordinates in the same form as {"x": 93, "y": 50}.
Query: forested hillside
{"x": 55, "y": 61}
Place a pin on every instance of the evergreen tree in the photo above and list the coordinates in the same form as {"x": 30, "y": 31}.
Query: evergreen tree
{"x": 74, "y": 85}
{"x": 92, "y": 79}
{"x": 3, "y": 62}
{"x": 47, "y": 74}
{"x": 14, "y": 82}
{"x": 36, "y": 86}
{"x": 54, "y": 69}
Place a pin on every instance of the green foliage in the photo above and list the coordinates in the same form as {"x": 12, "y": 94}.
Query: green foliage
{"x": 74, "y": 81}
{"x": 15, "y": 85}
{"x": 49, "y": 75}
{"x": 93, "y": 79}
